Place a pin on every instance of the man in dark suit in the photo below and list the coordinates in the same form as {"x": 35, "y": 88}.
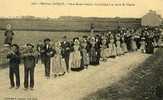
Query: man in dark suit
{"x": 29, "y": 64}
{"x": 14, "y": 62}
{"x": 47, "y": 52}
{"x": 66, "y": 51}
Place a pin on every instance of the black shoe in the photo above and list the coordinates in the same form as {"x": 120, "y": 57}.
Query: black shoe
{"x": 31, "y": 89}
{"x": 11, "y": 87}
{"x": 26, "y": 88}
{"x": 17, "y": 87}
{"x": 64, "y": 73}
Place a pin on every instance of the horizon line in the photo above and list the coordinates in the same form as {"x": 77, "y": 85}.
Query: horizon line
{"x": 46, "y": 17}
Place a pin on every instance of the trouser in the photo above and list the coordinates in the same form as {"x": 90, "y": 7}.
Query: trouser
{"x": 29, "y": 73}
{"x": 47, "y": 68}
{"x": 67, "y": 63}
{"x": 14, "y": 70}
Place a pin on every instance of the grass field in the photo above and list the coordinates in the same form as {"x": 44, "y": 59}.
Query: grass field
{"x": 22, "y": 37}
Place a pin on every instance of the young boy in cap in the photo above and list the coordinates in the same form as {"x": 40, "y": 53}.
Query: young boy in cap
{"x": 29, "y": 64}
{"x": 14, "y": 61}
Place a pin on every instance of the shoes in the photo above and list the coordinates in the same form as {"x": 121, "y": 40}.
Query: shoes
{"x": 31, "y": 89}
{"x": 17, "y": 87}
{"x": 11, "y": 87}
{"x": 55, "y": 76}
{"x": 25, "y": 89}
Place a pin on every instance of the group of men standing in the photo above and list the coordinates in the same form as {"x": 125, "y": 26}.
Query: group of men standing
{"x": 30, "y": 57}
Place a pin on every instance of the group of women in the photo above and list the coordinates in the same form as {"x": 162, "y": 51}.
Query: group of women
{"x": 90, "y": 50}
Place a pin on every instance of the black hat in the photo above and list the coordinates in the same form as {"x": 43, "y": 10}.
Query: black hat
{"x": 15, "y": 45}
{"x": 75, "y": 38}
{"x": 85, "y": 36}
{"x": 30, "y": 44}
{"x": 97, "y": 35}
{"x": 64, "y": 37}
{"x": 47, "y": 39}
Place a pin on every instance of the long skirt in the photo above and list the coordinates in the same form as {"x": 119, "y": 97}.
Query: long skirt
{"x": 58, "y": 65}
{"x": 133, "y": 45}
{"x": 85, "y": 58}
{"x": 103, "y": 53}
{"x": 124, "y": 48}
{"x": 93, "y": 56}
{"x": 75, "y": 60}
{"x": 118, "y": 51}
{"x": 149, "y": 48}
{"x": 112, "y": 50}
{"x": 118, "y": 48}
{"x": 160, "y": 43}
{"x": 142, "y": 46}
{"x": 107, "y": 52}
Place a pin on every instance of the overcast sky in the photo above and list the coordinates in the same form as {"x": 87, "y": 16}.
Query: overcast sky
{"x": 9, "y": 8}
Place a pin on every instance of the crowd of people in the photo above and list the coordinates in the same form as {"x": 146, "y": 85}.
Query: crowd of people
{"x": 64, "y": 56}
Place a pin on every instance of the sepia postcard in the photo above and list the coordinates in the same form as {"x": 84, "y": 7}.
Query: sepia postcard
{"x": 81, "y": 49}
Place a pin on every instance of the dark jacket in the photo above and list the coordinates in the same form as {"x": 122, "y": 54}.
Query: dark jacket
{"x": 39, "y": 47}
{"x": 29, "y": 59}
{"x": 66, "y": 48}
{"x": 47, "y": 53}
{"x": 14, "y": 59}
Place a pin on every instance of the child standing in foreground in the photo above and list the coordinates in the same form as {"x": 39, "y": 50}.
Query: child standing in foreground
{"x": 14, "y": 61}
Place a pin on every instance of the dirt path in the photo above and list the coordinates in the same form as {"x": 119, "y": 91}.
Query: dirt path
{"x": 73, "y": 86}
